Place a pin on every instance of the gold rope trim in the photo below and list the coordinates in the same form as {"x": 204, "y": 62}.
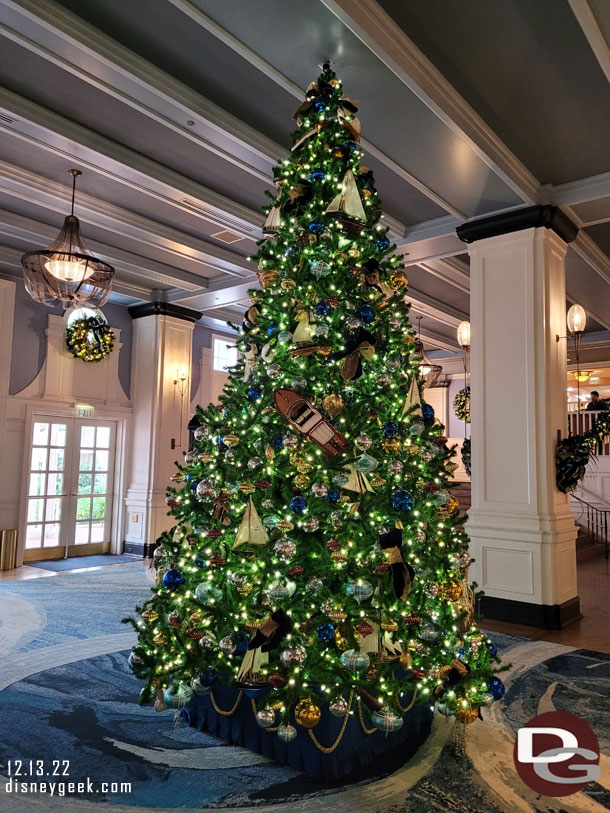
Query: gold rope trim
{"x": 331, "y": 748}
{"x": 231, "y": 711}
{"x": 362, "y": 723}
{"x": 410, "y": 706}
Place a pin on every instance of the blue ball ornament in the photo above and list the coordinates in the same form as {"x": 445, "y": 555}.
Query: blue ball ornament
{"x": 254, "y": 392}
{"x": 298, "y": 504}
{"x": 491, "y": 649}
{"x": 333, "y": 496}
{"x": 241, "y": 646}
{"x": 317, "y": 174}
{"x": 315, "y": 227}
{"x": 272, "y": 329}
{"x": 319, "y": 105}
{"x": 322, "y": 308}
{"x": 383, "y": 243}
{"x": 402, "y": 501}
{"x": 495, "y": 687}
{"x": 173, "y": 579}
{"x": 209, "y": 678}
{"x": 390, "y": 429}
{"x": 427, "y": 412}
{"x": 326, "y": 632}
{"x": 199, "y": 561}
{"x": 365, "y": 313}
{"x": 278, "y": 442}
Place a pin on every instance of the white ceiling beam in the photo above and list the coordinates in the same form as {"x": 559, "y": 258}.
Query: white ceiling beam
{"x": 581, "y": 191}
{"x": 206, "y": 300}
{"x": 39, "y": 235}
{"x": 201, "y": 19}
{"x": 61, "y": 37}
{"x": 590, "y": 27}
{"x": 378, "y": 31}
{"x": 28, "y": 186}
{"x": 433, "y": 339}
{"x": 46, "y": 130}
{"x": 434, "y": 308}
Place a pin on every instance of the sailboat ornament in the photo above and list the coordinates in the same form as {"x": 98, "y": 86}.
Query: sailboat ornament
{"x": 346, "y": 207}
{"x": 251, "y": 531}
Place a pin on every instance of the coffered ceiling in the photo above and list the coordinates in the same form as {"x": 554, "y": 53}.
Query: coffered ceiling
{"x": 177, "y": 110}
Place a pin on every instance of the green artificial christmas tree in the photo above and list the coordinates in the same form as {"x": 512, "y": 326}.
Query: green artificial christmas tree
{"x": 318, "y": 558}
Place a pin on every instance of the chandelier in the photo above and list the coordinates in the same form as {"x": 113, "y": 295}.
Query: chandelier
{"x": 67, "y": 271}
{"x": 429, "y": 373}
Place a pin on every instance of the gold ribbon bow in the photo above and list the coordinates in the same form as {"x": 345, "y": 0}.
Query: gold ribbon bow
{"x": 350, "y": 364}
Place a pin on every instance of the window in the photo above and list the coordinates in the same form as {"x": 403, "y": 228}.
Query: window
{"x": 225, "y": 354}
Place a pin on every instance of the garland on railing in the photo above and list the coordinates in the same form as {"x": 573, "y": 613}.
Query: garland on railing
{"x": 90, "y": 339}
{"x": 574, "y": 453}
{"x": 466, "y": 455}
{"x": 461, "y": 404}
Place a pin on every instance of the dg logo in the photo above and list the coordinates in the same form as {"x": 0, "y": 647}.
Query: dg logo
{"x": 557, "y": 754}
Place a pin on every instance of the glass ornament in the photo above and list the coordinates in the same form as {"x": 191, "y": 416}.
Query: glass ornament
{"x": 360, "y": 590}
{"x": 307, "y": 714}
{"x": 190, "y": 458}
{"x": 290, "y": 441}
{"x": 299, "y": 383}
{"x": 386, "y": 720}
{"x": 201, "y": 432}
{"x": 382, "y": 243}
{"x": 402, "y": 501}
{"x": 321, "y": 331}
{"x": 322, "y": 308}
{"x": 265, "y": 717}
{"x": 173, "y": 579}
{"x": 287, "y": 733}
{"x": 311, "y": 525}
{"x": 320, "y": 105}
{"x": 274, "y": 370}
{"x": 285, "y": 548}
{"x": 338, "y": 707}
{"x": 177, "y": 696}
{"x": 392, "y": 363}
{"x": 227, "y": 645}
{"x": 325, "y": 632}
{"x": 298, "y": 504}
{"x": 496, "y": 688}
{"x": 366, "y": 463}
{"x": 293, "y": 654}
{"x": 365, "y": 313}
{"x": 487, "y": 699}
{"x": 416, "y": 428}
{"x": 135, "y": 661}
{"x": 355, "y": 661}
{"x": 206, "y": 592}
{"x": 363, "y": 442}
{"x": 271, "y": 521}
{"x": 284, "y": 337}
{"x": 395, "y": 466}
{"x": 277, "y": 591}
{"x": 395, "y": 322}
{"x": 383, "y": 379}
{"x": 427, "y": 412}
{"x": 428, "y": 632}
{"x": 254, "y": 392}
{"x": 319, "y": 268}
{"x": 340, "y": 479}
{"x": 208, "y": 642}
{"x": 441, "y": 497}
{"x": 319, "y": 489}
{"x": 354, "y": 323}
{"x": 159, "y": 553}
{"x": 314, "y": 585}
{"x": 255, "y": 463}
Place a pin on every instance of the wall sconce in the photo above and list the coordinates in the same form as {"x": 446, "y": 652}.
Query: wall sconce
{"x": 463, "y": 335}
{"x": 576, "y": 321}
{"x": 181, "y": 379}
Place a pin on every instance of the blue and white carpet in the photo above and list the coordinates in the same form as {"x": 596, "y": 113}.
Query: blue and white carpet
{"x": 66, "y": 693}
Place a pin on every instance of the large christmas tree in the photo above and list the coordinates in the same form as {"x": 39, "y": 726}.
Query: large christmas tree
{"x": 318, "y": 550}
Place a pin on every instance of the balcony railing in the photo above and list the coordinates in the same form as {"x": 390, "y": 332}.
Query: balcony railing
{"x": 597, "y": 521}
{"x": 580, "y": 422}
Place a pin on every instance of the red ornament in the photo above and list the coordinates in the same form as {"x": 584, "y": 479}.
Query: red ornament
{"x": 217, "y": 560}
{"x": 171, "y": 502}
{"x": 174, "y": 621}
{"x": 411, "y": 620}
{"x": 304, "y": 627}
{"x": 440, "y": 440}
{"x": 371, "y": 674}
{"x": 303, "y": 240}
{"x": 264, "y": 485}
{"x": 364, "y": 629}
{"x": 419, "y": 673}
{"x": 196, "y": 635}
{"x": 295, "y": 571}
{"x": 333, "y": 544}
{"x": 430, "y": 488}
{"x": 382, "y": 568}
{"x": 277, "y": 681}
{"x": 334, "y": 303}
{"x": 213, "y": 534}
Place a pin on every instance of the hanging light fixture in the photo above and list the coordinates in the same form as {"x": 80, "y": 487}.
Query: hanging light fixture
{"x": 66, "y": 271}
{"x": 428, "y": 372}
{"x": 463, "y": 335}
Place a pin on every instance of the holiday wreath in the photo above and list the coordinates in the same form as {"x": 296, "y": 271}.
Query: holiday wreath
{"x": 90, "y": 339}
{"x": 461, "y": 404}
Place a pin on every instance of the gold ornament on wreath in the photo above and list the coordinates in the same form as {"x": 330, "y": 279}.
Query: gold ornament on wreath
{"x": 90, "y": 338}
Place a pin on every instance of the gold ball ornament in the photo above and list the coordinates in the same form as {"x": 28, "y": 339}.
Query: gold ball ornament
{"x": 467, "y": 715}
{"x": 452, "y": 505}
{"x": 159, "y": 638}
{"x": 451, "y": 590}
{"x": 287, "y": 284}
{"x": 398, "y": 280}
{"x": 333, "y": 404}
{"x": 338, "y": 154}
{"x": 391, "y": 445}
{"x": 150, "y": 615}
{"x": 307, "y": 714}
{"x": 302, "y": 481}
{"x": 230, "y": 439}
{"x": 303, "y": 466}
{"x": 310, "y": 295}
{"x": 340, "y": 641}
{"x": 366, "y": 193}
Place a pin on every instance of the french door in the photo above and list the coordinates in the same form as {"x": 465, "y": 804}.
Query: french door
{"x": 70, "y": 479}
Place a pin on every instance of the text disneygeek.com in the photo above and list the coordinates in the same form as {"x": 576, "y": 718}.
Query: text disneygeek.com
{"x": 51, "y": 777}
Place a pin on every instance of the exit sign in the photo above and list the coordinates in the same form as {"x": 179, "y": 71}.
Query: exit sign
{"x": 84, "y": 410}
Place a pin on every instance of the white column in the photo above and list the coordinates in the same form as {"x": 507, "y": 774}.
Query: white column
{"x": 162, "y": 343}
{"x": 8, "y": 507}
{"x": 521, "y": 527}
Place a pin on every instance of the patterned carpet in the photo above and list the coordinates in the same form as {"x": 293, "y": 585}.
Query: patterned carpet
{"x": 67, "y": 693}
